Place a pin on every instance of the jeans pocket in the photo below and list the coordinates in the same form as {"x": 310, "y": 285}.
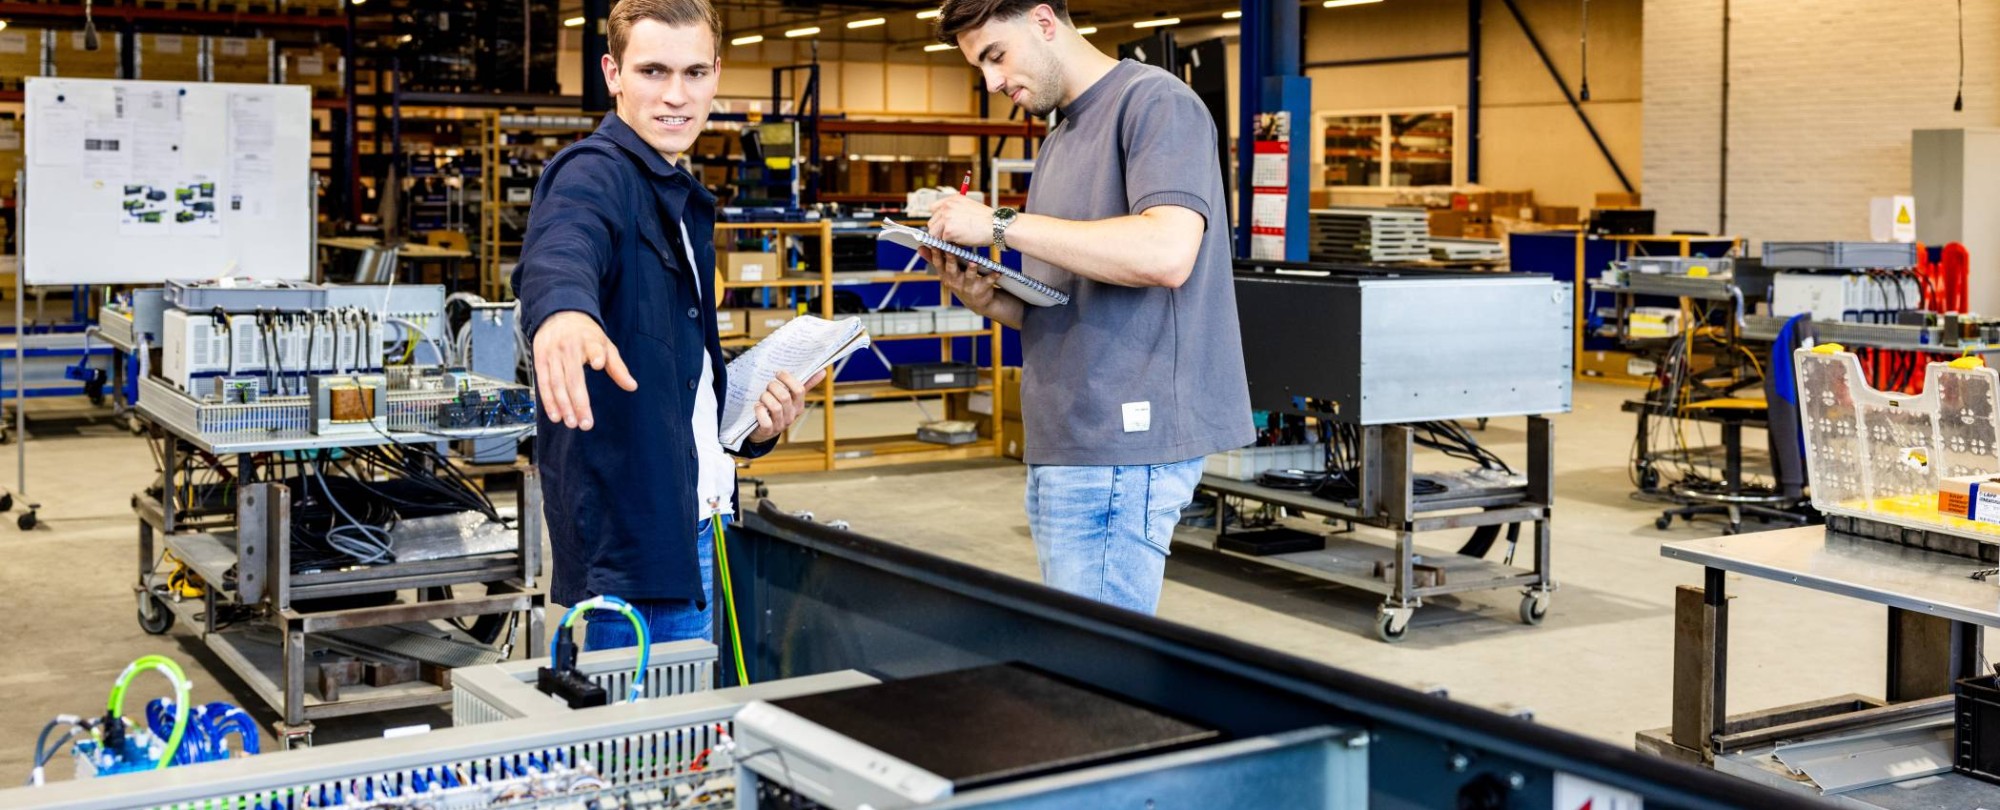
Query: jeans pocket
{"x": 1169, "y": 489}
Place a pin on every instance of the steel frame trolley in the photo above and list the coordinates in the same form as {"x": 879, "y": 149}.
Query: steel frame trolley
{"x": 266, "y": 620}
{"x": 1381, "y": 352}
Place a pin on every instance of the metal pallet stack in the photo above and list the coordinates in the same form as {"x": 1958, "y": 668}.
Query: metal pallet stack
{"x": 1370, "y": 235}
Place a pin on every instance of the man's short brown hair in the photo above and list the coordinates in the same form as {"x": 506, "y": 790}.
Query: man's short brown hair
{"x": 672, "y": 12}
{"x": 959, "y": 16}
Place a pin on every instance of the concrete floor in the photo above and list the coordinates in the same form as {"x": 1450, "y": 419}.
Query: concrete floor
{"x": 1600, "y": 665}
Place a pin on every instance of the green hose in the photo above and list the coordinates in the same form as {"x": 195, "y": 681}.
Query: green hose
{"x": 167, "y": 667}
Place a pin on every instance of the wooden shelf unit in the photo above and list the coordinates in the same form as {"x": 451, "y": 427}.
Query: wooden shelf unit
{"x": 834, "y": 452}
{"x": 494, "y": 250}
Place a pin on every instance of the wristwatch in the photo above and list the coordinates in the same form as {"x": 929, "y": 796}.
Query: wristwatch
{"x": 1002, "y": 218}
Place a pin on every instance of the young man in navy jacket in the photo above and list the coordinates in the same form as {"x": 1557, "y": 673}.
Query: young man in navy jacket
{"x": 616, "y": 283}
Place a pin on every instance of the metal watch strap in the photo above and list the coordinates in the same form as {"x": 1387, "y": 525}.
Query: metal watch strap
{"x": 1002, "y": 218}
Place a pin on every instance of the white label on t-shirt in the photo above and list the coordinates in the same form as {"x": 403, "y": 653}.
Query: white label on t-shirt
{"x": 1138, "y": 417}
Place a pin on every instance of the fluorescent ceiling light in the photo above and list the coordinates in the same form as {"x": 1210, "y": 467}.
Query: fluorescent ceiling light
{"x": 935, "y": 48}
{"x": 749, "y": 40}
{"x": 3, "y": 25}
{"x": 356, "y": 2}
{"x": 925, "y": 15}
{"x": 1157, "y": 23}
{"x": 1339, "y": 3}
{"x": 868, "y": 23}
{"x": 802, "y": 32}
{"x": 1231, "y": 15}
{"x": 573, "y": 22}
{"x": 1087, "y": 31}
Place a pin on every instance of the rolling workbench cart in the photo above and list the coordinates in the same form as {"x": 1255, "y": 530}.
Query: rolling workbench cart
{"x": 1387, "y": 500}
{"x": 243, "y": 558}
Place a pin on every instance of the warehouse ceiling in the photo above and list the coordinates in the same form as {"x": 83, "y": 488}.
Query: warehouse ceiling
{"x": 743, "y": 17}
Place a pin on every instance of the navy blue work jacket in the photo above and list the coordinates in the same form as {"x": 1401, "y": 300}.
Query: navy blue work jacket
{"x": 603, "y": 240}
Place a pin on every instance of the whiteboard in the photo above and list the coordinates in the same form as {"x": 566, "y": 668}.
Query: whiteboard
{"x": 135, "y": 182}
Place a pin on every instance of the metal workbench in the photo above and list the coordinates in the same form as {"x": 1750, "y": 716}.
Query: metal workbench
{"x": 1387, "y": 500}
{"x": 243, "y": 557}
{"x": 1936, "y": 612}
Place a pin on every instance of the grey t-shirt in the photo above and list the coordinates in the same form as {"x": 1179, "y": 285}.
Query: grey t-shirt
{"x": 1133, "y": 375}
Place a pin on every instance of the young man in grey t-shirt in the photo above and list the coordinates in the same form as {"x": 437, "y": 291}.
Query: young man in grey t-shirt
{"x": 1127, "y": 387}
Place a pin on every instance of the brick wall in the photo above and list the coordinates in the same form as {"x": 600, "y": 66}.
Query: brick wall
{"x": 1824, "y": 95}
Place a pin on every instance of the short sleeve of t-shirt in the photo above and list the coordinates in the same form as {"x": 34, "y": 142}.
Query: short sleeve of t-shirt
{"x": 1165, "y": 123}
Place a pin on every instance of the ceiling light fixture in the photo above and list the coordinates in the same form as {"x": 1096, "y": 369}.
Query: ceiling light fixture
{"x": 925, "y": 15}
{"x": 868, "y": 23}
{"x": 1339, "y": 3}
{"x": 573, "y": 22}
{"x": 935, "y": 48}
{"x": 801, "y": 32}
{"x": 1231, "y": 15}
{"x": 1157, "y": 23}
{"x": 1087, "y": 31}
{"x": 749, "y": 40}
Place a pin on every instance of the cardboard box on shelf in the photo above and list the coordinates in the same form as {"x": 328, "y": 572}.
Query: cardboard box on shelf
{"x": 1477, "y": 230}
{"x": 169, "y": 58}
{"x": 1010, "y": 392}
{"x": 239, "y": 59}
{"x": 69, "y": 57}
{"x": 714, "y": 174}
{"x": 316, "y": 66}
{"x": 1560, "y": 215}
{"x": 749, "y": 266}
{"x": 20, "y": 56}
{"x": 1446, "y": 223}
{"x": 732, "y": 323}
{"x": 1320, "y": 198}
{"x": 762, "y": 322}
{"x": 1617, "y": 199}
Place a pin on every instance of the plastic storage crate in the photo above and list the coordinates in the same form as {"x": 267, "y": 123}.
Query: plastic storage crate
{"x": 1879, "y": 456}
{"x": 1840, "y": 255}
{"x": 1976, "y": 744}
{"x": 1246, "y": 463}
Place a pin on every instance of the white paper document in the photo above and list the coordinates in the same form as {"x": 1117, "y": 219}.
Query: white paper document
{"x": 803, "y": 347}
{"x": 58, "y": 137}
{"x": 252, "y": 139}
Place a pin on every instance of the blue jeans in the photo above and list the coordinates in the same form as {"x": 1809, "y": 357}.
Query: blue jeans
{"x": 666, "y": 619}
{"x": 1103, "y": 532}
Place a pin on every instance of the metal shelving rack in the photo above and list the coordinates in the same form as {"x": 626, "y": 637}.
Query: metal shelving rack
{"x": 494, "y": 246}
{"x": 833, "y": 452}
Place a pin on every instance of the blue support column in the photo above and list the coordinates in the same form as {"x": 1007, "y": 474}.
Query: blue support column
{"x": 1270, "y": 81}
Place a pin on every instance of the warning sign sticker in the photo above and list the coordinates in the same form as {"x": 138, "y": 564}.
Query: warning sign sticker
{"x": 1578, "y": 793}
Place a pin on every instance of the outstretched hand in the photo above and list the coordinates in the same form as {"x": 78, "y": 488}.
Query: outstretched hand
{"x": 566, "y": 345}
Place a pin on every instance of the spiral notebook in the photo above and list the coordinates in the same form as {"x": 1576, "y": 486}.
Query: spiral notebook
{"x": 1030, "y": 291}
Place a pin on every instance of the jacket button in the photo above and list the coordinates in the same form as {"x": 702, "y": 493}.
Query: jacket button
{"x": 691, "y": 385}
{"x": 694, "y": 454}
{"x": 693, "y": 313}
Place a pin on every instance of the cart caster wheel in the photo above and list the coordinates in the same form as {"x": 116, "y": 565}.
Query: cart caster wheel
{"x": 27, "y": 521}
{"x": 1663, "y": 523}
{"x": 1649, "y": 479}
{"x": 1391, "y": 628}
{"x": 763, "y": 492}
{"x": 7, "y": 502}
{"x": 154, "y": 616}
{"x": 1534, "y": 607}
